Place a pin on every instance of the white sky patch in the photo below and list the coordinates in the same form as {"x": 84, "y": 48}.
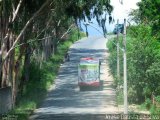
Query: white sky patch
{"x": 120, "y": 12}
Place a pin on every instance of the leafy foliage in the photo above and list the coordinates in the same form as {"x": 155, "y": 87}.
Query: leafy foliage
{"x": 143, "y": 63}
{"x": 148, "y": 13}
{"x": 41, "y": 79}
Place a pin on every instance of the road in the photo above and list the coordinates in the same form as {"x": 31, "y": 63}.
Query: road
{"x": 66, "y": 102}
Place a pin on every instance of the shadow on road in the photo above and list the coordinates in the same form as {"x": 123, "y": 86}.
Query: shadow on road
{"x": 74, "y": 117}
{"x": 79, "y": 53}
{"x": 67, "y": 99}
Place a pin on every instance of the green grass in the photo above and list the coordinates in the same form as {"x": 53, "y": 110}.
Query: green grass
{"x": 40, "y": 80}
{"x": 119, "y": 97}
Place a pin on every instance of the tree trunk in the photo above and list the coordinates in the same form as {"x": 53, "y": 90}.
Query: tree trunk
{"x": 14, "y": 85}
{"x": 47, "y": 47}
{"x": 5, "y": 67}
{"x": 56, "y": 39}
{"x": 16, "y": 74}
{"x": 25, "y": 76}
{"x": 27, "y": 63}
{"x": 4, "y": 74}
{"x": 55, "y": 45}
{"x": 24, "y": 29}
{"x": 11, "y": 61}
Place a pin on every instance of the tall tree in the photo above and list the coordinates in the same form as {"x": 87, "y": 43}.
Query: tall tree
{"x": 32, "y": 28}
{"x": 149, "y": 13}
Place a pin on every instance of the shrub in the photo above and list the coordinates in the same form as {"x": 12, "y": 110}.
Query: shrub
{"x": 143, "y": 63}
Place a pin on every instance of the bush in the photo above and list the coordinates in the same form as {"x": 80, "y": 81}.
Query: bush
{"x": 143, "y": 63}
{"x": 153, "y": 110}
{"x": 148, "y": 103}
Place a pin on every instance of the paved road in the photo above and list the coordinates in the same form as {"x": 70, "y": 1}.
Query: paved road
{"x": 66, "y": 102}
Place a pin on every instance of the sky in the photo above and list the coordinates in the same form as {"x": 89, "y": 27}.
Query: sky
{"x": 120, "y": 12}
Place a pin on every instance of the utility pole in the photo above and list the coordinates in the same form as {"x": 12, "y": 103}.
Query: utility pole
{"x": 125, "y": 70}
{"x": 118, "y": 68}
{"x": 86, "y": 29}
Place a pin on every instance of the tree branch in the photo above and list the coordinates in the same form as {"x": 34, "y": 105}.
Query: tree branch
{"x": 65, "y": 33}
{"x": 43, "y": 38}
{"x": 32, "y": 41}
{"x": 15, "y": 12}
{"x": 13, "y": 7}
{"x": 24, "y": 29}
{"x": 37, "y": 36}
{"x": 59, "y": 22}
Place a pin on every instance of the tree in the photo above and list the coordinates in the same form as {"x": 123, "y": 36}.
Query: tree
{"x": 149, "y": 14}
{"x": 33, "y": 29}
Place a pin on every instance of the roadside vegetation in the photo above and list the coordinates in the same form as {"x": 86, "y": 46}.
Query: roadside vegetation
{"x": 41, "y": 79}
{"x": 34, "y": 37}
{"x": 31, "y": 27}
{"x": 143, "y": 58}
